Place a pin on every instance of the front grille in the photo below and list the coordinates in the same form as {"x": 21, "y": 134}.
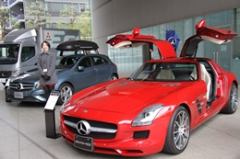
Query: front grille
{"x": 5, "y": 74}
{"x": 21, "y": 86}
{"x": 95, "y": 124}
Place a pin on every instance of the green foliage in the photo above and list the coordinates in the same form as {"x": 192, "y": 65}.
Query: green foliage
{"x": 85, "y": 25}
{"x": 15, "y": 24}
{"x": 72, "y": 18}
{"x": 4, "y": 16}
{"x": 35, "y": 14}
{"x": 79, "y": 21}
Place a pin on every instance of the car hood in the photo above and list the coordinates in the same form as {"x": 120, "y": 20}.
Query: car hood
{"x": 27, "y": 77}
{"x": 33, "y": 76}
{"x": 126, "y": 96}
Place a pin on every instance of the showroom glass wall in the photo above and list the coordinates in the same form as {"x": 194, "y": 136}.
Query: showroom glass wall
{"x": 228, "y": 55}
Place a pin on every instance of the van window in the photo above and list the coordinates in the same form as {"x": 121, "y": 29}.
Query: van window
{"x": 27, "y": 53}
{"x": 8, "y": 53}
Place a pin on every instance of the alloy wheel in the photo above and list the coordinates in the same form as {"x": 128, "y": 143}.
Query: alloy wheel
{"x": 65, "y": 93}
{"x": 234, "y": 98}
{"x": 181, "y": 130}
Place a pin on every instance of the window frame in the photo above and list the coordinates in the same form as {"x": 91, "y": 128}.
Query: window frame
{"x": 21, "y": 57}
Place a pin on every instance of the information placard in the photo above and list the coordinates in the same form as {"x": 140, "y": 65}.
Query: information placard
{"x": 52, "y": 100}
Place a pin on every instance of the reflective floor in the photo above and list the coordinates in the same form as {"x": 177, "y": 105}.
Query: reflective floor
{"x": 22, "y": 136}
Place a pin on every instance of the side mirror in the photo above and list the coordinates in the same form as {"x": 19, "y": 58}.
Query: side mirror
{"x": 80, "y": 68}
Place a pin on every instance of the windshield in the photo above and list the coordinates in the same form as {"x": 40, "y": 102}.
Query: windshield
{"x": 8, "y": 53}
{"x": 67, "y": 62}
{"x": 166, "y": 72}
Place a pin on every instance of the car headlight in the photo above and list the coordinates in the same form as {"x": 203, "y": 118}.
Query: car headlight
{"x": 147, "y": 116}
{"x": 37, "y": 84}
{"x": 66, "y": 106}
{"x": 15, "y": 73}
{"x": 8, "y": 83}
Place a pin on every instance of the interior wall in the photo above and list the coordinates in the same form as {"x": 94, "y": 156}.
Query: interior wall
{"x": 116, "y": 16}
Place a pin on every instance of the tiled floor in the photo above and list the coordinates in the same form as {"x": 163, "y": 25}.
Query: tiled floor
{"x": 22, "y": 136}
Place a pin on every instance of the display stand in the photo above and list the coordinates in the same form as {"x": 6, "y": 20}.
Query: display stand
{"x": 49, "y": 111}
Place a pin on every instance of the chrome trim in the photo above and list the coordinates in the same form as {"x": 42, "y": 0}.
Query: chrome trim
{"x": 71, "y": 124}
{"x": 92, "y": 129}
{"x": 41, "y": 98}
{"x": 21, "y": 86}
{"x": 95, "y": 129}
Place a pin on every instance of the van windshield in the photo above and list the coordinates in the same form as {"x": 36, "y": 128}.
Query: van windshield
{"x": 8, "y": 53}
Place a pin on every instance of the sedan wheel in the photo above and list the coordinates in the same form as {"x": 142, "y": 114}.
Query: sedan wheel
{"x": 178, "y": 132}
{"x": 66, "y": 92}
{"x": 233, "y": 101}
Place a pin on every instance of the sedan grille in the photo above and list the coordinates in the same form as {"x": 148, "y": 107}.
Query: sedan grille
{"x": 98, "y": 130}
{"x": 21, "y": 86}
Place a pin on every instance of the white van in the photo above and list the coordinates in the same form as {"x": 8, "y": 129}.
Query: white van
{"x": 20, "y": 49}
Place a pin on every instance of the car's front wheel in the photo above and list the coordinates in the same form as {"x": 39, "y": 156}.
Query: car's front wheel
{"x": 178, "y": 132}
{"x": 232, "y": 103}
{"x": 66, "y": 91}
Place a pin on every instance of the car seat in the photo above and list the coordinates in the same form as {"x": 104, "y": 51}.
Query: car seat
{"x": 193, "y": 75}
{"x": 166, "y": 74}
{"x": 205, "y": 76}
{"x": 98, "y": 62}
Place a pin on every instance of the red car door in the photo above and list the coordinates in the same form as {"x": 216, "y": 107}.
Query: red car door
{"x": 203, "y": 32}
{"x": 165, "y": 49}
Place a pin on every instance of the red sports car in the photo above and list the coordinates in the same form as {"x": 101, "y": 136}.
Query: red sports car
{"x": 157, "y": 107}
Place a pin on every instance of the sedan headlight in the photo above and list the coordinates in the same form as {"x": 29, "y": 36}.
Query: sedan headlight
{"x": 15, "y": 73}
{"x": 8, "y": 83}
{"x": 147, "y": 116}
{"x": 37, "y": 84}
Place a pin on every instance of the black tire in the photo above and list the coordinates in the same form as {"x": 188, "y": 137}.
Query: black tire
{"x": 7, "y": 100}
{"x": 114, "y": 77}
{"x": 178, "y": 133}
{"x": 232, "y": 104}
{"x": 64, "y": 94}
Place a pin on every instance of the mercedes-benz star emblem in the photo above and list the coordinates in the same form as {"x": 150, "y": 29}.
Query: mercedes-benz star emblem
{"x": 83, "y": 127}
{"x": 19, "y": 86}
